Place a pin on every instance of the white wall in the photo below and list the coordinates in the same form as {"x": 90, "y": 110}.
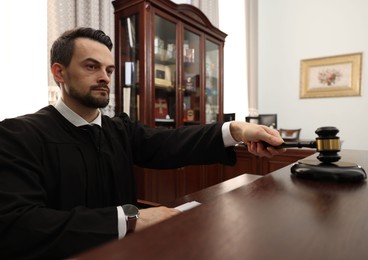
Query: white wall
{"x": 232, "y": 22}
{"x": 23, "y": 63}
{"x": 23, "y": 57}
{"x": 292, "y": 30}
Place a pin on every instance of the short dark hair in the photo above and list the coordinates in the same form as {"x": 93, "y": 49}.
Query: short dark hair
{"x": 62, "y": 49}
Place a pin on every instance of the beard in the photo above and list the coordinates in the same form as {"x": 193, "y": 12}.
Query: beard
{"x": 89, "y": 100}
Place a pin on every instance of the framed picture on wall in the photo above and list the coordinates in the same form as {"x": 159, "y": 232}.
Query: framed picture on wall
{"x": 334, "y": 76}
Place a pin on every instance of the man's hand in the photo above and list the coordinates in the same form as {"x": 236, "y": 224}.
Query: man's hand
{"x": 254, "y": 135}
{"x": 154, "y": 215}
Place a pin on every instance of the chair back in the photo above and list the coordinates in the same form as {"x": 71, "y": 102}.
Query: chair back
{"x": 263, "y": 119}
{"x": 290, "y": 134}
{"x": 229, "y": 117}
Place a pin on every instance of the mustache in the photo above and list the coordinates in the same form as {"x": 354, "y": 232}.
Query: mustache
{"x": 101, "y": 85}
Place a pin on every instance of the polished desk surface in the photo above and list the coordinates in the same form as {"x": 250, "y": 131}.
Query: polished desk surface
{"x": 214, "y": 191}
{"x": 273, "y": 217}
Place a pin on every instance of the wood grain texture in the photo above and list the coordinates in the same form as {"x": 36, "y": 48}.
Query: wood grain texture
{"x": 273, "y": 217}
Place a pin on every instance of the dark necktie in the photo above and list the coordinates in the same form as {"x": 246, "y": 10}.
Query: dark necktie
{"x": 94, "y": 132}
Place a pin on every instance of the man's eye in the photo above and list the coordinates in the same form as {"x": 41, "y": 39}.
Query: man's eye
{"x": 91, "y": 66}
{"x": 109, "y": 72}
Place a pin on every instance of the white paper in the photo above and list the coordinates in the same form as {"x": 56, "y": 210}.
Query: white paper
{"x": 188, "y": 206}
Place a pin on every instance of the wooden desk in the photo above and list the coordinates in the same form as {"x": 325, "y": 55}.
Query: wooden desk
{"x": 274, "y": 217}
{"x": 214, "y": 191}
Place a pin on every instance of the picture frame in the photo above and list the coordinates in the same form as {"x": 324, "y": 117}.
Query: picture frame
{"x": 191, "y": 82}
{"x": 162, "y": 75}
{"x": 334, "y": 76}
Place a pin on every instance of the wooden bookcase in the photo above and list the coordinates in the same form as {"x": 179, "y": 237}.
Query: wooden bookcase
{"x": 169, "y": 61}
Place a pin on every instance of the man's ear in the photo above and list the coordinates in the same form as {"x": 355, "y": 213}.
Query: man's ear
{"x": 57, "y": 70}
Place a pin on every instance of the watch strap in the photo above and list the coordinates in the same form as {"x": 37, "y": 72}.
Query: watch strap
{"x": 131, "y": 223}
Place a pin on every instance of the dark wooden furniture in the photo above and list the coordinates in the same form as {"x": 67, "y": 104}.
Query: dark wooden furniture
{"x": 249, "y": 163}
{"x": 167, "y": 185}
{"x": 169, "y": 61}
{"x": 169, "y": 73}
{"x": 274, "y": 217}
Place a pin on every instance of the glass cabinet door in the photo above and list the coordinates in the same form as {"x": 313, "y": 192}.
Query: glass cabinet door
{"x": 212, "y": 82}
{"x": 191, "y": 79}
{"x": 164, "y": 73}
{"x": 129, "y": 59}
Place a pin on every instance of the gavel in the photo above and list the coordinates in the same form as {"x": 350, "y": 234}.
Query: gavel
{"x": 327, "y": 144}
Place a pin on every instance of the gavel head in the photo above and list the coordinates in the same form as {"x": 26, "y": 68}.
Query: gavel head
{"x": 328, "y": 144}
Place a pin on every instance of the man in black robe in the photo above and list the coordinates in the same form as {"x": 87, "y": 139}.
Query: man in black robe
{"x": 62, "y": 184}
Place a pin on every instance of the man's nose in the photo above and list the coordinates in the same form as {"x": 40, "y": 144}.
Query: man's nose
{"x": 104, "y": 77}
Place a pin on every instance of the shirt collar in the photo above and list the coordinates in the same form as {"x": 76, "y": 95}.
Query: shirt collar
{"x": 73, "y": 117}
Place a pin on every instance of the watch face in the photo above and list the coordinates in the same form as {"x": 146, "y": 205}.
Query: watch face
{"x": 130, "y": 210}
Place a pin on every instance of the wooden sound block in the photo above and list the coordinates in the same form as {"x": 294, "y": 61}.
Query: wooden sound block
{"x": 337, "y": 171}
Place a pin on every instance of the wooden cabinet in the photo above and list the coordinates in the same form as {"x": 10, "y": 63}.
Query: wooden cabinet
{"x": 169, "y": 63}
{"x": 249, "y": 163}
{"x": 164, "y": 186}
{"x": 245, "y": 163}
{"x": 267, "y": 165}
{"x": 169, "y": 73}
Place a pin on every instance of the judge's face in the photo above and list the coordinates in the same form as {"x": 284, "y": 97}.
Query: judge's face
{"x": 87, "y": 78}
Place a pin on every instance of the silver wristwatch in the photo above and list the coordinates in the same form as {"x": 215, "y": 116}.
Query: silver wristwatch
{"x": 131, "y": 215}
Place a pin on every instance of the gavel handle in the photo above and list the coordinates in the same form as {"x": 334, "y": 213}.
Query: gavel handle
{"x": 311, "y": 144}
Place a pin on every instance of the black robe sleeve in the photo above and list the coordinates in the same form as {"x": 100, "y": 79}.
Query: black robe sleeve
{"x": 173, "y": 148}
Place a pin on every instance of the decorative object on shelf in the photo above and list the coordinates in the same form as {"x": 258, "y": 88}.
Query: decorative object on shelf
{"x": 159, "y": 49}
{"x": 171, "y": 51}
{"x": 211, "y": 116}
{"x": 191, "y": 82}
{"x": 190, "y": 115}
{"x": 210, "y": 67}
{"x": 333, "y": 76}
{"x": 187, "y": 104}
{"x": 162, "y": 76}
{"x": 161, "y": 108}
{"x": 188, "y": 53}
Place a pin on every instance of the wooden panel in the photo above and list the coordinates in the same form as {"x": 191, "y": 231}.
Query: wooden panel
{"x": 213, "y": 174}
{"x": 246, "y": 163}
{"x": 267, "y": 165}
{"x": 159, "y": 186}
{"x": 191, "y": 179}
